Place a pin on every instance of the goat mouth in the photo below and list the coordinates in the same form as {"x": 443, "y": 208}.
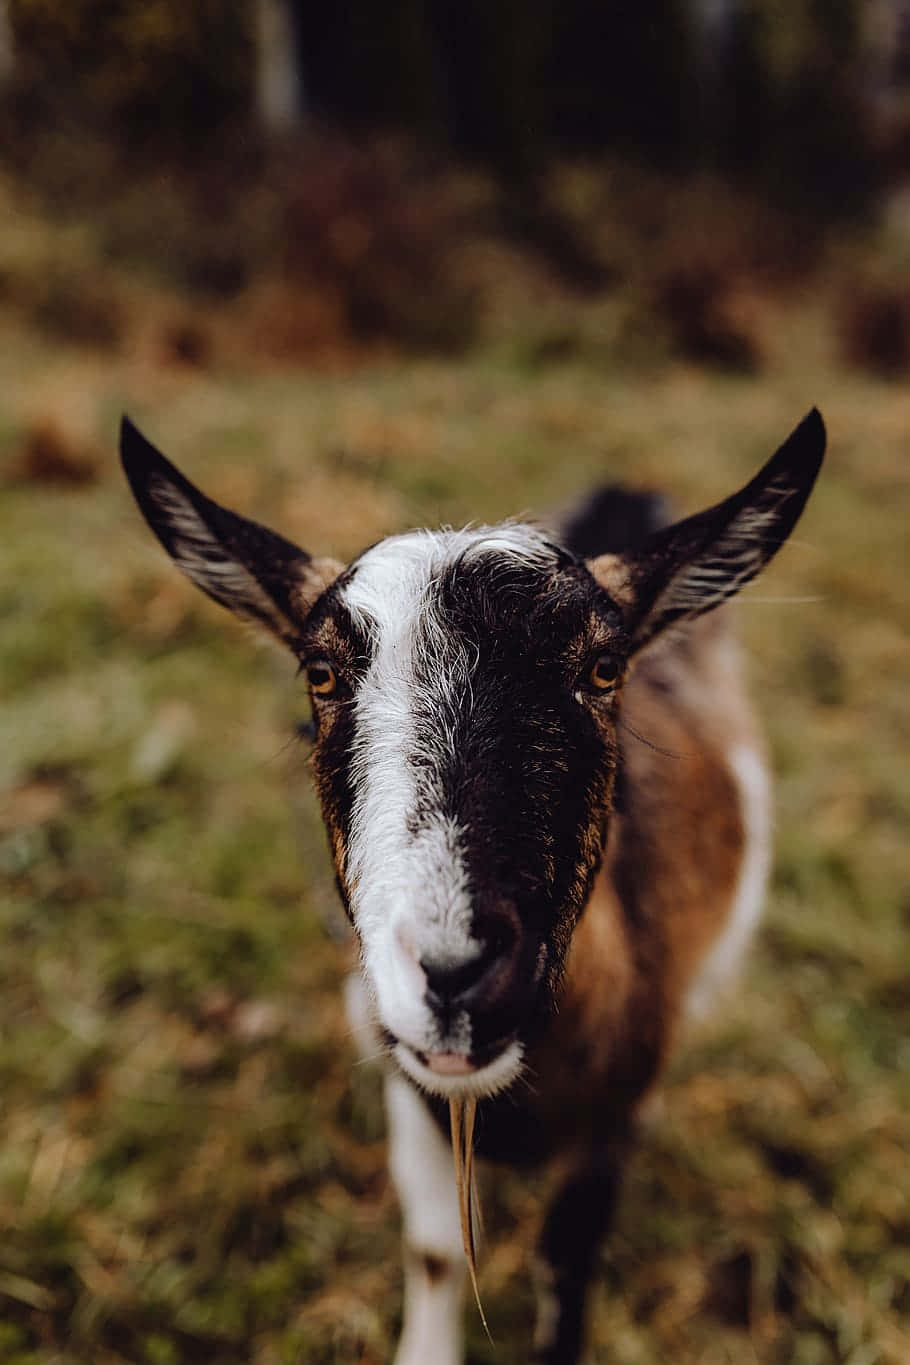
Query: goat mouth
{"x": 451, "y": 1074}
{"x": 448, "y": 1063}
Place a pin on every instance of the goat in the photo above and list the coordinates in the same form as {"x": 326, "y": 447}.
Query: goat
{"x": 535, "y": 892}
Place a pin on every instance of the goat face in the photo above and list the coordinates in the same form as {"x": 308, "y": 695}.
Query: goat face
{"x": 465, "y": 687}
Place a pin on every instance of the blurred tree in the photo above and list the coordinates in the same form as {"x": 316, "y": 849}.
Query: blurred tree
{"x": 620, "y": 78}
{"x": 159, "y": 73}
{"x": 505, "y": 82}
{"x": 770, "y": 90}
{"x": 6, "y": 44}
{"x": 280, "y": 94}
{"x": 367, "y": 65}
{"x": 815, "y": 142}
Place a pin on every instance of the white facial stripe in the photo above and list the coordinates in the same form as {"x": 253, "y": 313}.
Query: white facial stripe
{"x": 410, "y": 895}
{"x": 387, "y": 597}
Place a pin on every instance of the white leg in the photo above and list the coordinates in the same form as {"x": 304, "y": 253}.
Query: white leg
{"x": 420, "y": 1161}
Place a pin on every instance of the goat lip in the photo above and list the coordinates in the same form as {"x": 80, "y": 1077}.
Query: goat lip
{"x": 480, "y": 1075}
{"x": 448, "y": 1063}
{"x": 463, "y": 1063}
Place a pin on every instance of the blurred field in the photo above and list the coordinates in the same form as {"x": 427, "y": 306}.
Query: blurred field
{"x": 192, "y": 1167}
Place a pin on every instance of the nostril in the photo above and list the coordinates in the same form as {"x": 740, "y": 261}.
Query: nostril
{"x": 449, "y": 983}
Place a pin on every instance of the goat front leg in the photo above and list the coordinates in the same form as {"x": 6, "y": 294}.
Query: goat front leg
{"x": 576, "y": 1223}
{"x": 420, "y": 1161}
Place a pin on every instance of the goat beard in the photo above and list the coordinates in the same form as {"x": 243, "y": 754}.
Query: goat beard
{"x": 461, "y": 1116}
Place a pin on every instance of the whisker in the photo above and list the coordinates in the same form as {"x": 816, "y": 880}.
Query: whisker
{"x": 747, "y": 598}
{"x": 292, "y": 741}
{"x": 373, "y": 1057}
{"x": 667, "y": 753}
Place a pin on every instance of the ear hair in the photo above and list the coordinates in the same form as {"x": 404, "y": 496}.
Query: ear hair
{"x": 694, "y": 565}
{"x": 240, "y": 564}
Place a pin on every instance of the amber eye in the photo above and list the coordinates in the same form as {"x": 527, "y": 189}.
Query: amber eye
{"x": 322, "y": 677}
{"x": 604, "y": 672}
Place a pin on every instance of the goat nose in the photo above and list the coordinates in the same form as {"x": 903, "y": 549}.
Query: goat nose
{"x": 447, "y": 984}
{"x": 461, "y": 983}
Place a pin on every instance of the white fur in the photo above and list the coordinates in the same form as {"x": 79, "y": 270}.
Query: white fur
{"x": 725, "y": 956}
{"x": 546, "y": 1320}
{"x": 410, "y": 895}
{"x": 420, "y": 1161}
{"x": 487, "y": 1080}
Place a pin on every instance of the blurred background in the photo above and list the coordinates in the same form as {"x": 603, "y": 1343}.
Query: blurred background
{"x": 358, "y": 267}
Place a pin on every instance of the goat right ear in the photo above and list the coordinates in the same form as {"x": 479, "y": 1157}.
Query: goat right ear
{"x": 244, "y": 566}
{"x": 694, "y": 565}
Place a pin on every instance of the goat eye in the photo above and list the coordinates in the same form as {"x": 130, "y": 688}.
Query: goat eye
{"x": 604, "y": 672}
{"x": 322, "y": 678}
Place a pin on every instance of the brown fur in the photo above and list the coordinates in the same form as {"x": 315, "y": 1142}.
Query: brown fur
{"x": 318, "y": 575}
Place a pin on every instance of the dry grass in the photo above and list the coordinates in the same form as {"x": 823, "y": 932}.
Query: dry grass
{"x": 192, "y": 1167}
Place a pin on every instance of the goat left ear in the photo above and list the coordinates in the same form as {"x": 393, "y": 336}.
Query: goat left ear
{"x": 694, "y": 565}
{"x": 246, "y": 567}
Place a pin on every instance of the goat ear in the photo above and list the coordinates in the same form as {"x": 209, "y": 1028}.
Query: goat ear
{"x": 692, "y": 566}
{"x": 244, "y": 566}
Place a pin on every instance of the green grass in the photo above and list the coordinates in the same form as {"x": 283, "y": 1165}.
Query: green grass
{"x": 192, "y": 1164}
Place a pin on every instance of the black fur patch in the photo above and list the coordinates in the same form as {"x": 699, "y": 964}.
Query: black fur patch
{"x": 613, "y": 519}
{"x": 528, "y": 773}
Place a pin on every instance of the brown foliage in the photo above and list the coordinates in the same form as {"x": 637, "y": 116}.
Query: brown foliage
{"x": 874, "y": 328}
{"x": 697, "y": 304}
{"x": 49, "y": 455}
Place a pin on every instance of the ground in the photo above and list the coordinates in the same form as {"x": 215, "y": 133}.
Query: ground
{"x": 192, "y": 1162}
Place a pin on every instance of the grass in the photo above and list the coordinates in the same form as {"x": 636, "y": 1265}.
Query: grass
{"x": 192, "y": 1167}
